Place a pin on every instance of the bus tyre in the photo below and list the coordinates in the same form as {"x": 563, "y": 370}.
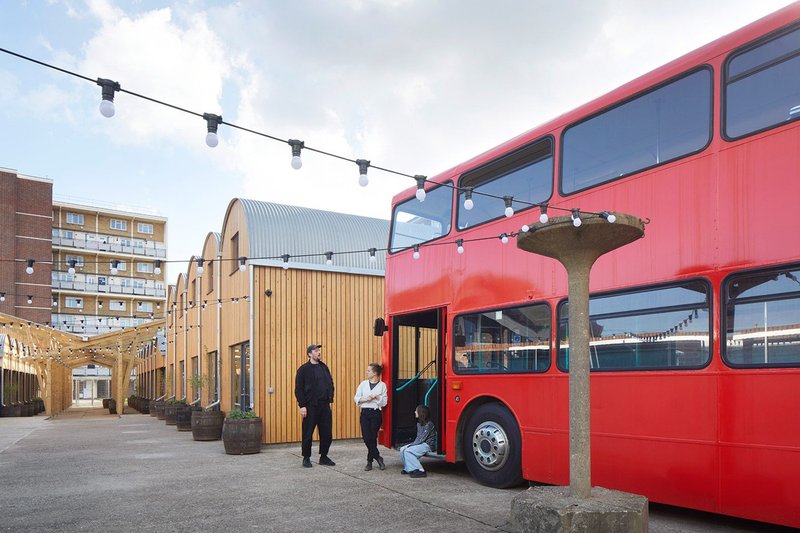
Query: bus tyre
{"x": 493, "y": 447}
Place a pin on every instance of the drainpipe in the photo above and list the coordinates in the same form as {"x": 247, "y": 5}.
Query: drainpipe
{"x": 185, "y": 343}
{"x": 217, "y": 388}
{"x": 251, "y": 300}
{"x": 199, "y": 336}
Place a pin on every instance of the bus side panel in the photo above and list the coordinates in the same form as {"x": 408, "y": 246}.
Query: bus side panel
{"x": 759, "y": 437}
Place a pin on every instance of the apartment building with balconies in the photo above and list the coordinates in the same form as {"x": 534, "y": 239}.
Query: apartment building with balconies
{"x": 108, "y": 268}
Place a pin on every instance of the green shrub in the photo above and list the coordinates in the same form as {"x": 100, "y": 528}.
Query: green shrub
{"x": 237, "y": 414}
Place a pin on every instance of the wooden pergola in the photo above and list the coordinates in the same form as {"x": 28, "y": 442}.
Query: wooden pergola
{"x": 54, "y": 353}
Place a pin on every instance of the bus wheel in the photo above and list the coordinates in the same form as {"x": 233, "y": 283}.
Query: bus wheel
{"x": 493, "y": 447}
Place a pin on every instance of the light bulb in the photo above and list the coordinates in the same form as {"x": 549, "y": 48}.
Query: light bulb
{"x": 577, "y": 222}
{"x": 297, "y": 163}
{"x": 525, "y": 228}
{"x": 421, "y": 195}
{"x": 509, "y": 211}
{"x": 157, "y": 271}
{"x": 363, "y": 180}
{"x": 29, "y": 270}
{"x": 543, "y": 218}
{"x": 211, "y": 139}
{"x": 242, "y": 266}
{"x": 416, "y": 255}
{"x": 71, "y": 269}
{"x": 286, "y": 266}
{"x": 114, "y": 271}
{"x": 460, "y": 249}
{"x": 107, "y": 108}
{"x": 504, "y": 238}
{"x": 468, "y": 204}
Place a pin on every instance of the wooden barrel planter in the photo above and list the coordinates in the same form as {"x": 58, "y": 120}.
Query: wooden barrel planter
{"x": 207, "y": 425}
{"x": 183, "y": 417}
{"x": 242, "y": 436}
{"x": 154, "y": 407}
{"x": 170, "y": 414}
{"x": 161, "y": 410}
{"x": 105, "y": 403}
{"x": 12, "y": 410}
{"x": 143, "y": 405}
{"x": 112, "y": 407}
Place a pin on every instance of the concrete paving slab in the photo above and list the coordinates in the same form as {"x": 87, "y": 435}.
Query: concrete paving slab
{"x": 89, "y": 471}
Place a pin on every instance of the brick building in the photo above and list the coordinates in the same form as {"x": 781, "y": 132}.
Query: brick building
{"x": 25, "y": 222}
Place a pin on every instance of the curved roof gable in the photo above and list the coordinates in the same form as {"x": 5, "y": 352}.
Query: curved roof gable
{"x": 277, "y": 229}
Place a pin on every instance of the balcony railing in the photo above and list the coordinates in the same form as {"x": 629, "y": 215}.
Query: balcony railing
{"x": 150, "y": 249}
{"x": 112, "y": 288}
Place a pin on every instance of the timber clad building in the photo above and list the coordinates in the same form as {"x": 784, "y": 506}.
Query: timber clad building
{"x": 245, "y": 320}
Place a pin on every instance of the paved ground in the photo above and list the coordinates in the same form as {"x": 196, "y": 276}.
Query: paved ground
{"x": 89, "y": 471}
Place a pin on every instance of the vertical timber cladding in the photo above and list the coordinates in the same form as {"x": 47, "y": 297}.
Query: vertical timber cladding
{"x": 334, "y": 309}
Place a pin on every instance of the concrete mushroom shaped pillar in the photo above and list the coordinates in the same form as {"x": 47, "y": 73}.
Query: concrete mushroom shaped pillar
{"x": 577, "y": 248}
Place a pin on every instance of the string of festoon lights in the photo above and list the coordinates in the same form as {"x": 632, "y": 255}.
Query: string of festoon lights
{"x": 109, "y": 88}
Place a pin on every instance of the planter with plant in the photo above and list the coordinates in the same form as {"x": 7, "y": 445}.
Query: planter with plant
{"x": 241, "y": 432}
{"x": 11, "y": 408}
{"x": 171, "y": 411}
{"x": 112, "y": 406}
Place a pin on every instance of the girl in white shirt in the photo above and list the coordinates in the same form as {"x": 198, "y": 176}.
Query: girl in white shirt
{"x": 371, "y": 398}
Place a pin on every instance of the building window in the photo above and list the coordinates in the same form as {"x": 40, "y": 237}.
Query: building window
{"x": 762, "y": 86}
{"x": 144, "y": 307}
{"x": 505, "y": 340}
{"x": 116, "y": 305}
{"x": 210, "y": 277}
{"x": 645, "y": 329}
{"x": 73, "y": 303}
{"x": 143, "y": 227}
{"x": 75, "y": 218}
{"x": 651, "y": 129}
{"x": 240, "y": 377}
{"x": 122, "y": 266}
{"x": 118, "y": 224}
{"x": 762, "y": 318}
{"x": 235, "y": 253}
{"x": 77, "y": 258}
{"x": 212, "y": 373}
{"x": 146, "y": 268}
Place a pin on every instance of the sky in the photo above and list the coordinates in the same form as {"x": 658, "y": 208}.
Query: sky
{"x": 416, "y": 86}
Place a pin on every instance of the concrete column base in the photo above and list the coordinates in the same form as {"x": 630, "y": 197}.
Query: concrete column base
{"x": 554, "y": 509}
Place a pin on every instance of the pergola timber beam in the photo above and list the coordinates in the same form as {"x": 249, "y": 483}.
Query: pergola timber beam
{"x": 117, "y": 350}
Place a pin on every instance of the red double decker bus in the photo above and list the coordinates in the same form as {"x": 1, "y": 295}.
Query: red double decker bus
{"x": 695, "y": 329}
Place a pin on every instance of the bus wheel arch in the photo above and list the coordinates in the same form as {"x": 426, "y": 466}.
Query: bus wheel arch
{"x": 490, "y": 443}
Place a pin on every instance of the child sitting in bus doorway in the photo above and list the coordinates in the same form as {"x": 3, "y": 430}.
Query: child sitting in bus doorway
{"x": 424, "y": 443}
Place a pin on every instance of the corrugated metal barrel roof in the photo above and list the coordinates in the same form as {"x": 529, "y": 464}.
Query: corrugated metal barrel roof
{"x": 277, "y": 229}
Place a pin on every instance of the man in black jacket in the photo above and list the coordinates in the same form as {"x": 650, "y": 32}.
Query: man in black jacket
{"x": 313, "y": 388}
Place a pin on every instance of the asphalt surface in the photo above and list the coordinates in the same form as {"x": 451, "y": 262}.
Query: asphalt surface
{"x": 86, "y": 470}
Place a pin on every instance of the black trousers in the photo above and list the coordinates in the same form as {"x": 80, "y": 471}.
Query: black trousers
{"x": 318, "y": 415}
{"x": 371, "y": 420}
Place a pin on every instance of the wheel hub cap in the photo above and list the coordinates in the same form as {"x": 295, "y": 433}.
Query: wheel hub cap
{"x": 490, "y": 445}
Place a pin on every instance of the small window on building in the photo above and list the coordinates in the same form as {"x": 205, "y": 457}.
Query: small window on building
{"x": 762, "y": 86}
{"x": 210, "y": 277}
{"x": 235, "y": 253}
{"x": 762, "y": 318}
{"x": 73, "y": 303}
{"x": 645, "y": 329}
{"x": 75, "y": 218}
{"x": 118, "y": 224}
{"x": 122, "y": 266}
{"x": 146, "y": 268}
{"x": 144, "y": 307}
{"x": 77, "y": 258}
{"x": 143, "y": 227}
{"x": 116, "y": 305}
